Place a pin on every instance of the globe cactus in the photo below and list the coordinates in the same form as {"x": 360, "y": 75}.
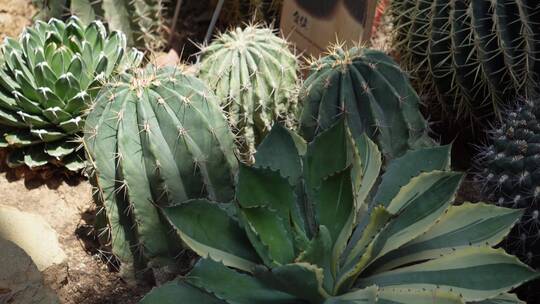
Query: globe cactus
{"x": 509, "y": 169}
{"x": 472, "y": 55}
{"x": 155, "y": 138}
{"x": 142, "y": 21}
{"x": 370, "y": 90}
{"x": 306, "y": 230}
{"x": 253, "y": 73}
{"x": 49, "y": 77}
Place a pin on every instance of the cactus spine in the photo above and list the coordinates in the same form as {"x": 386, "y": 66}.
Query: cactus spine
{"x": 372, "y": 92}
{"x": 156, "y": 138}
{"x": 253, "y": 73}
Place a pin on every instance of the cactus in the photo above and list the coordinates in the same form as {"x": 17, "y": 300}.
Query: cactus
{"x": 371, "y": 91}
{"x": 253, "y": 73}
{"x": 306, "y": 230}
{"x": 50, "y": 76}
{"x": 142, "y": 21}
{"x": 509, "y": 169}
{"x": 155, "y": 138}
{"x": 473, "y": 56}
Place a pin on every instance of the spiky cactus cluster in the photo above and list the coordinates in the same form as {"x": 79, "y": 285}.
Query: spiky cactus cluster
{"x": 253, "y": 73}
{"x": 510, "y": 170}
{"x": 474, "y": 55}
{"x": 49, "y": 77}
{"x": 155, "y": 138}
{"x": 142, "y": 21}
{"x": 374, "y": 94}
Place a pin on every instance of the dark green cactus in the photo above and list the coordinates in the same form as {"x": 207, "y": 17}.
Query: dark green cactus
{"x": 49, "y": 77}
{"x": 142, "y": 21}
{"x": 471, "y": 55}
{"x": 372, "y": 92}
{"x": 155, "y": 138}
{"x": 510, "y": 170}
{"x": 253, "y": 73}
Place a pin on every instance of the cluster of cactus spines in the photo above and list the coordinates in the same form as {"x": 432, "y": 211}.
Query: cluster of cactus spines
{"x": 142, "y": 21}
{"x": 49, "y": 77}
{"x": 510, "y": 171}
{"x": 474, "y": 55}
{"x": 374, "y": 94}
{"x": 155, "y": 138}
{"x": 253, "y": 72}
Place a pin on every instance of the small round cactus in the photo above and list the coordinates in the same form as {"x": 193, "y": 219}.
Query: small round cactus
{"x": 155, "y": 138}
{"x": 253, "y": 73}
{"x": 49, "y": 77}
{"x": 371, "y": 91}
{"x": 510, "y": 171}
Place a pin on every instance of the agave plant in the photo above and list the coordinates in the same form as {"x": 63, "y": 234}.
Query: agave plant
{"x": 142, "y": 21}
{"x": 49, "y": 77}
{"x": 313, "y": 225}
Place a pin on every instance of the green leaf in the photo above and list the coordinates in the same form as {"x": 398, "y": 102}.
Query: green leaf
{"x": 319, "y": 252}
{"x": 302, "y": 280}
{"x": 505, "y": 298}
{"x": 402, "y": 169}
{"x": 367, "y": 295}
{"x": 461, "y": 226}
{"x": 417, "y": 296}
{"x": 175, "y": 291}
{"x": 366, "y": 176}
{"x": 210, "y": 232}
{"x": 475, "y": 273}
{"x": 278, "y": 152}
{"x": 233, "y": 287}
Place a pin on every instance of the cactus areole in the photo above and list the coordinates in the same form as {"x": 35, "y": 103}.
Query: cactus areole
{"x": 49, "y": 78}
{"x": 155, "y": 138}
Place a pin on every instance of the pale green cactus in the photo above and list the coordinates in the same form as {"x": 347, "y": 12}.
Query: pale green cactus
{"x": 253, "y": 73}
{"x": 155, "y": 138}
{"x": 49, "y": 77}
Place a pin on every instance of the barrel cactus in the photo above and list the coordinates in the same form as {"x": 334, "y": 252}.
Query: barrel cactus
{"x": 155, "y": 138}
{"x": 306, "y": 230}
{"x": 474, "y": 55}
{"x": 253, "y": 73}
{"x": 49, "y": 77}
{"x": 371, "y": 91}
{"x": 142, "y": 21}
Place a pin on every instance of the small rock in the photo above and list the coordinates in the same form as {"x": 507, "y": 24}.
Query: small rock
{"x": 20, "y": 279}
{"x": 33, "y": 234}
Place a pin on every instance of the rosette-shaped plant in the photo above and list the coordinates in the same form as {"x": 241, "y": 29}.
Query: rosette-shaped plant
{"x": 155, "y": 138}
{"x": 253, "y": 73}
{"x": 306, "y": 230}
{"x": 48, "y": 79}
{"x": 371, "y": 91}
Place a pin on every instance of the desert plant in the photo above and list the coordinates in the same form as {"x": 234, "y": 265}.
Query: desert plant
{"x": 509, "y": 169}
{"x": 49, "y": 77}
{"x": 253, "y": 72}
{"x": 155, "y": 138}
{"x": 306, "y": 230}
{"x": 473, "y": 55}
{"x": 371, "y": 91}
{"x": 142, "y": 21}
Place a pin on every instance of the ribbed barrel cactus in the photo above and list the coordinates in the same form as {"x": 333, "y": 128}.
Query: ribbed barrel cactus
{"x": 142, "y": 21}
{"x": 48, "y": 79}
{"x": 155, "y": 138}
{"x": 509, "y": 168}
{"x": 306, "y": 230}
{"x": 371, "y": 91}
{"x": 253, "y": 73}
{"x": 474, "y": 55}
